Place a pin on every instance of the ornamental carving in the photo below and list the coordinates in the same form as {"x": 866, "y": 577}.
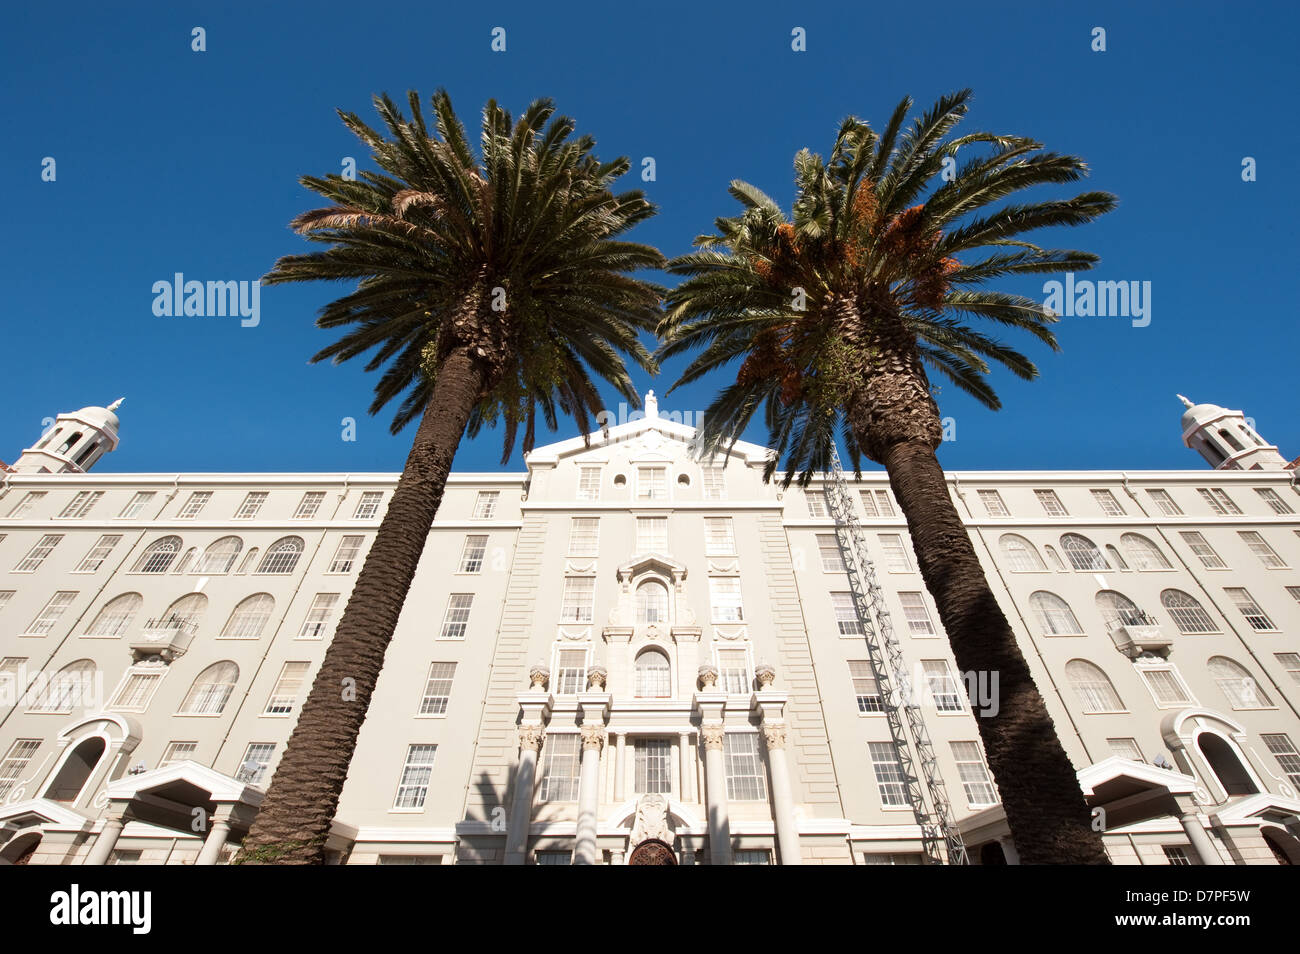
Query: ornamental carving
{"x": 652, "y": 820}
{"x": 593, "y": 737}
{"x": 539, "y": 674}
{"x": 713, "y": 733}
{"x": 530, "y": 737}
{"x": 708, "y": 675}
{"x": 596, "y": 677}
{"x": 765, "y": 673}
{"x": 774, "y": 735}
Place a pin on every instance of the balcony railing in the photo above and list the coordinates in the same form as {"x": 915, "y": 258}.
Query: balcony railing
{"x": 165, "y": 636}
{"x": 1135, "y": 632}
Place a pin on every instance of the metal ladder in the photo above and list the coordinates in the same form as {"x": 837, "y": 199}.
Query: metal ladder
{"x": 940, "y": 839}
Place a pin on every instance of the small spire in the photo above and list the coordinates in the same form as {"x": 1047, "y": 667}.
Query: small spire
{"x": 116, "y": 404}
{"x": 1186, "y": 403}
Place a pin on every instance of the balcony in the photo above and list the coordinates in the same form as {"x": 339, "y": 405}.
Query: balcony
{"x": 1136, "y": 633}
{"x": 166, "y": 636}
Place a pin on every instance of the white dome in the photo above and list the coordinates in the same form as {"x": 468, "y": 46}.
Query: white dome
{"x": 100, "y": 417}
{"x": 1200, "y": 413}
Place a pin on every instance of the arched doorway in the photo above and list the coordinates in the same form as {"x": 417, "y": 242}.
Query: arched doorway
{"x": 652, "y": 852}
{"x": 1232, "y": 775}
{"x": 20, "y": 850}
{"x": 75, "y": 771}
{"x": 1284, "y": 845}
{"x": 991, "y": 853}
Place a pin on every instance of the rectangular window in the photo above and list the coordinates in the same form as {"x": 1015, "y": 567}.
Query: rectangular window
{"x": 1204, "y": 552}
{"x": 974, "y": 775}
{"x": 846, "y": 616}
{"x": 579, "y": 599}
{"x": 816, "y": 500}
{"x": 890, "y": 780}
{"x": 653, "y": 759}
{"x": 309, "y": 505}
{"x": 746, "y": 781}
{"x": 1219, "y": 501}
{"x": 1293, "y": 591}
{"x": 1166, "y": 687}
{"x": 437, "y": 688}
{"x": 588, "y": 483}
{"x": 715, "y": 483}
{"x": 1270, "y": 497}
{"x": 828, "y": 547}
{"x": 584, "y": 536}
{"x": 943, "y": 687}
{"x": 5, "y": 597}
{"x": 1051, "y": 503}
{"x": 724, "y": 599}
{"x": 1259, "y": 546}
{"x": 368, "y": 505}
{"x": 571, "y": 672}
{"x": 917, "y": 614}
{"x": 81, "y": 504}
{"x": 485, "y": 504}
{"x": 125, "y": 856}
{"x": 346, "y": 554}
{"x": 411, "y": 860}
{"x": 865, "y": 688}
{"x": 877, "y": 503}
{"x": 652, "y": 483}
{"x": 136, "y": 690}
{"x": 993, "y": 504}
{"x": 1108, "y": 504}
{"x": 24, "y": 506}
{"x": 886, "y": 859}
{"x": 552, "y": 856}
{"x": 1254, "y": 614}
{"x": 38, "y": 554}
{"x": 719, "y": 537}
{"x": 751, "y": 856}
{"x": 561, "y": 752}
{"x": 455, "y": 622}
{"x": 93, "y": 560}
{"x": 1165, "y": 502}
{"x": 195, "y": 504}
{"x": 13, "y": 679}
{"x": 257, "y": 757}
{"x": 471, "y": 557}
{"x": 896, "y": 558}
{"x": 45, "y": 620}
{"x": 1177, "y": 855}
{"x": 1291, "y": 663}
{"x": 287, "y": 688}
{"x": 251, "y": 506}
{"x": 178, "y": 752}
{"x": 15, "y": 762}
{"x": 1125, "y": 749}
{"x": 413, "y": 786}
{"x": 733, "y": 672}
{"x": 318, "y": 616}
{"x": 135, "y": 505}
{"x": 651, "y": 534}
{"x": 1284, "y": 750}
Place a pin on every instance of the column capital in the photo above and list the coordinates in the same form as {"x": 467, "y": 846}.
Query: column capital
{"x": 593, "y": 737}
{"x": 712, "y": 734}
{"x": 774, "y": 734}
{"x": 530, "y": 737}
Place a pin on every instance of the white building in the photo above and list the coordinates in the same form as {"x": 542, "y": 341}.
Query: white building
{"x": 627, "y": 654}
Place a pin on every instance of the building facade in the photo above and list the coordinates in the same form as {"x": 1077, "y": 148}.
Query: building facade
{"x": 624, "y": 655}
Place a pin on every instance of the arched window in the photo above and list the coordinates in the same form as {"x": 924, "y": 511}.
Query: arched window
{"x": 186, "y": 611}
{"x": 1020, "y": 553}
{"x": 1115, "y": 558}
{"x": 250, "y": 617}
{"x": 249, "y": 561}
{"x": 70, "y": 687}
{"x": 1055, "y": 618}
{"x": 220, "y": 556}
{"x": 116, "y": 615}
{"x": 1118, "y": 610}
{"x": 1238, "y": 684}
{"x": 281, "y": 556}
{"x": 76, "y": 769}
{"x": 653, "y": 675}
{"x": 1054, "y": 556}
{"x": 1083, "y": 553}
{"x": 1143, "y": 554}
{"x": 652, "y": 602}
{"x": 159, "y": 556}
{"x": 1226, "y": 765}
{"x": 183, "y": 564}
{"x": 1093, "y": 687}
{"x": 211, "y": 690}
{"x": 1189, "y": 615}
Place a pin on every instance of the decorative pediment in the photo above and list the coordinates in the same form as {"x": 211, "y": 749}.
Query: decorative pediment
{"x": 652, "y": 563}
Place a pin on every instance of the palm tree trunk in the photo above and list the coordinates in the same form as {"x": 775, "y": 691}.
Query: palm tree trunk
{"x": 1046, "y": 811}
{"x": 295, "y": 817}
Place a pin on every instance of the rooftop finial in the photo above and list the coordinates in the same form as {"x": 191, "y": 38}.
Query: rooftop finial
{"x": 1186, "y": 403}
{"x": 116, "y": 404}
{"x": 651, "y": 404}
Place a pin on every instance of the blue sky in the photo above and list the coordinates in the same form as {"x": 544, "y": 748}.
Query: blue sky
{"x": 172, "y": 161}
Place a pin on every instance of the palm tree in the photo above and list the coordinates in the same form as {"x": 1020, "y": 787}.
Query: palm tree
{"x": 492, "y": 289}
{"x": 838, "y": 312}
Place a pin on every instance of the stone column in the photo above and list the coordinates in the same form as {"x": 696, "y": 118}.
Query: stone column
{"x": 715, "y": 783}
{"x": 687, "y": 769}
{"x": 787, "y": 832}
{"x": 620, "y": 769}
{"x": 106, "y": 841}
{"x": 218, "y": 832}
{"x": 1205, "y": 850}
{"x": 521, "y": 810}
{"x": 593, "y": 740}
